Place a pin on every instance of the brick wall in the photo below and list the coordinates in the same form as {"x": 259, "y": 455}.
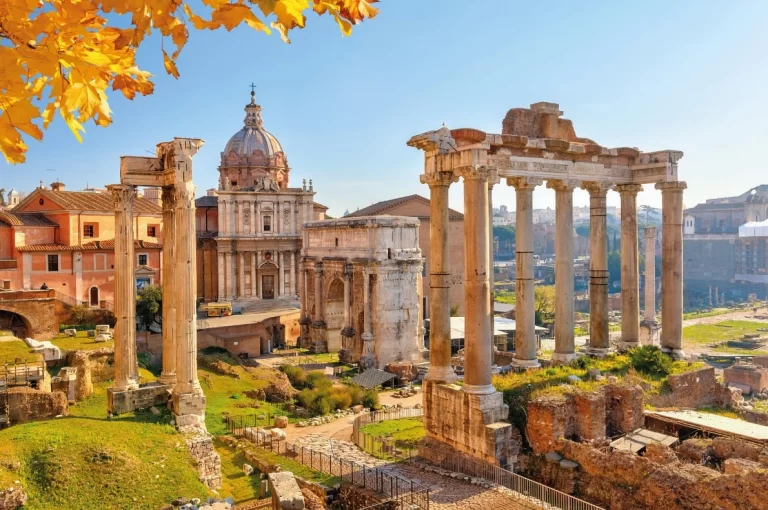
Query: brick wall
{"x": 26, "y": 404}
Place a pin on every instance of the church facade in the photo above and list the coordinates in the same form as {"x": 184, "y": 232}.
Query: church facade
{"x": 249, "y": 230}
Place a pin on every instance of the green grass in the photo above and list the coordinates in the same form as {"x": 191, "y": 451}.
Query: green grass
{"x": 700, "y": 315}
{"x": 504, "y": 296}
{"x": 406, "y": 430}
{"x": 234, "y": 482}
{"x": 10, "y": 349}
{"x": 702, "y": 334}
{"x": 81, "y": 342}
{"x": 293, "y": 466}
{"x": 88, "y": 461}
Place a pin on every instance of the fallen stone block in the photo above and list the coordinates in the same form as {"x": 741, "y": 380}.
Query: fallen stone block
{"x": 70, "y": 332}
{"x": 102, "y": 338}
{"x": 248, "y": 469}
{"x": 738, "y": 466}
{"x": 553, "y": 457}
{"x": 281, "y": 422}
{"x": 568, "y": 465}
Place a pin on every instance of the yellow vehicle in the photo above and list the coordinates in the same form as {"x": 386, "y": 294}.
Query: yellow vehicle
{"x": 219, "y": 309}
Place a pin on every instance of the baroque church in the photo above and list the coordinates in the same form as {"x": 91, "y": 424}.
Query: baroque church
{"x": 249, "y": 230}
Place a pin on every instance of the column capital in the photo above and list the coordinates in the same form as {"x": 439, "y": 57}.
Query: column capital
{"x": 169, "y": 197}
{"x": 482, "y": 173}
{"x": 434, "y": 179}
{"x": 650, "y": 233}
{"x": 673, "y": 186}
{"x": 563, "y": 184}
{"x": 123, "y": 194}
{"x": 597, "y": 189}
{"x": 628, "y": 189}
{"x": 524, "y": 183}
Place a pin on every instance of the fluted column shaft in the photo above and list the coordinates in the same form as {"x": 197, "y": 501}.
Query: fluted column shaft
{"x": 630, "y": 279}
{"x": 440, "y": 369}
{"x": 168, "y": 375}
{"x": 241, "y": 274}
{"x": 185, "y": 288}
{"x": 222, "y": 275}
{"x": 254, "y": 274}
{"x": 565, "y": 349}
{"x": 319, "y": 318}
{"x": 649, "y": 305}
{"x": 525, "y": 312}
{"x": 126, "y": 367}
{"x": 599, "y": 340}
{"x": 672, "y": 267}
{"x": 478, "y": 339}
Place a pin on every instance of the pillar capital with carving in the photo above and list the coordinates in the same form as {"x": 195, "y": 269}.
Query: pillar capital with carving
{"x": 433, "y": 179}
{"x": 671, "y": 186}
{"x": 524, "y": 183}
{"x": 596, "y": 188}
{"x": 483, "y": 173}
{"x": 564, "y": 184}
{"x": 628, "y": 189}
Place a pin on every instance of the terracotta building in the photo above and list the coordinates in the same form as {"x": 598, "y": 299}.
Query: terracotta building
{"x": 249, "y": 229}
{"x": 417, "y": 206}
{"x": 65, "y": 240}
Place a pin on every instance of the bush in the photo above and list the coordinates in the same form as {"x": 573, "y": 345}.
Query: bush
{"x": 306, "y": 398}
{"x": 650, "y": 360}
{"x": 340, "y": 398}
{"x": 323, "y": 405}
{"x": 371, "y": 399}
{"x": 297, "y": 376}
{"x": 317, "y": 380}
{"x": 80, "y": 314}
{"x": 355, "y": 394}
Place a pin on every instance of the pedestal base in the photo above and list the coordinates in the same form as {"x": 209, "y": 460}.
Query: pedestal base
{"x": 625, "y": 346}
{"x": 563, "y": 358}
{"x": 650, "y": 333}
{"x": 441, "y": 375}
{"x": 189, "y": 409}
{"x": 143, "y": 397}
{"x": 597, "y": 352}
{"x": 676, "y": 354}
{"x": 524, "y": 363}
{"x": 479, "y": 389}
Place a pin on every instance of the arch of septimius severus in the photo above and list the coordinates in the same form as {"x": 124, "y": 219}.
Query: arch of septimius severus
{"x": 536, "y": 146}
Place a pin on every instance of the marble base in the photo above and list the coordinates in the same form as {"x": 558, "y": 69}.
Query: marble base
{"x": 625, "y": 346}
{"x": 477, "y": 389}
{"x": 597, "y": 352}
{"x": 675, "y": 354}
{"x": 441, "y": 375}
{"x": 650, "y": 333}
{"x": 563, "y": 358}
{"x": 143, "y": 397}
{"x": 524, "y": 363}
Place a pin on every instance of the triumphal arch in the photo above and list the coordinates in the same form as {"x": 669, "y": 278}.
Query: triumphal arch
{"x": 536, "y": 145}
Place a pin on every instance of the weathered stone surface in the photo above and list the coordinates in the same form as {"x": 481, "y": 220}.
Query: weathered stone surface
{"x": 143, "y": 397}
{"x": 553, "y": 457}
{"x": 750, "y": 378}
{"x": 281, "y": 422}
{"x": 92, "y": 367}
{"x": 568, "y": 465}
{"x": 12, "y": 498}
{"x": 740, "y": 466}
{"x": 26, "y": 404}
{"x": 660, "y": 453}
{"x": 208, "y": 462}
{"x": 726, "y": 448}
{"x": 248, "y": 469}
{"x": 70, "y": 332}
{"x": 286, "y": 493}
{"x": 696, "y": 450}
{"x": 406, "y": 372}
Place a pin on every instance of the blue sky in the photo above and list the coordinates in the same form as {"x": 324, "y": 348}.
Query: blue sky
{"x": 650, "y": 74}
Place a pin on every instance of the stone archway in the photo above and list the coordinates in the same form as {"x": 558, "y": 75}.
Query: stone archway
{"x": 334, "y": 314}
{"x": 268, "y": 280}
{"x": 17, "y": 324}
{"x": 38, "y": 315}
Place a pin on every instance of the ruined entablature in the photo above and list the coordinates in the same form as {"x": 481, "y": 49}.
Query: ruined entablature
{"x": 537, "y": 142}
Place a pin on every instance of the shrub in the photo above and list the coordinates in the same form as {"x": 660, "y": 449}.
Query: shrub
{"x": 371, "y": 399}
{"x": 79, "y": 314}
{"x": 323, "y": 405}
{"x": 316, "y": 379}
{"x": 650, "y": 360}
{"x": 341, "y": 398}
{"x": 306, "y": 398}
{"x": 297, "y": 376}
{"x": 355, "y": 394}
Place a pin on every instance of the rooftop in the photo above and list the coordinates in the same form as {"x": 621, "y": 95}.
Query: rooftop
{"x": 86, "y": 201}
{"x": 106, "y": 245}
{"x": 387, "y": 205}
{"x": 8, "y": 219}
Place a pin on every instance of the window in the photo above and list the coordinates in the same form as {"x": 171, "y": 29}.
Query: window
{"x": 267, "y": 223}
{"x": 143, "y": 259}
{"x": 93, "y": 296}
{"x": 91, "y": 230}
{"x": 151, "y": 231}
{"x": 100, "y": 261}
{"x": 53, "y": 263}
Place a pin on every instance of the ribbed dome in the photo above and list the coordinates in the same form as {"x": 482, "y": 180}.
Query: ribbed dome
{"x": 250, "y": 139}
{"x": 253, "y": 145}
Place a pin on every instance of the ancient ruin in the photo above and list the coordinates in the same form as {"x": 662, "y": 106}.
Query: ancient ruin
{"x": 535, "y": 145}
{"x": 361, "y": 294}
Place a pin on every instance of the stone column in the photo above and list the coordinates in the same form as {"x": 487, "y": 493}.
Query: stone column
{"x": 319, "y": 318}
{"x": 440, "y": 369}
{"x": 630, "y": 279}
{"x": 222, "y": 277}
{"x": 251, "y": 209}
{"x": 280, "y": 274}
{"x": 650, "y": 275}
{"x": 491, "y": 275}
{"x": 305, "y": 292}
{"x": 241, "y": 273}
{"x": 565, "y": 349}
{"x": 258, "y": 279}
{"x": 293, "y": 273}
{"x": 672, "y": 268}
{"x": 257, "y": 220}
{"x": 126, "y": 364}
{"x": 233, "y": 274}
{"x": 478, "y": 335}
{"x": 599, "y": 341}
{"x": 254, "y": 275}
{"x": 168, "y": 375}
{"x": 368, "y": 358}
{"x": 231, "y": 216}
{"x": 186, "y": 313}
{"x": 293, "y": 216}
{"x": 710, "y": 296}
{"x": 278, "y": 218}
{"x": 221, "y": 218}
{"x": 525, "y": 306}
{"x": 226, "y": 277}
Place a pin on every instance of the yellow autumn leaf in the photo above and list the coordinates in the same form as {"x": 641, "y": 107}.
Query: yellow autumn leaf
{"x": 290, "y": 12}
{"x": 170, "y": 65}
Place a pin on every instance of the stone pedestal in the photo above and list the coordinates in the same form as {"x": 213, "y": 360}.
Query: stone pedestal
{"x": 368, "y": 359}
{"x": 650, "y": 333}
{"x": 457, "y": 421}
{"x": 143, "y": 397}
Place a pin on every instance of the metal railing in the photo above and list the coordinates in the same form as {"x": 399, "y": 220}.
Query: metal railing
{"x": 21, "y": 374}
{"x": 377, "y": 479}
{"x": 377, "y": 445}
{"x": 72, "y": 301}
{"x": 535, "y": 493}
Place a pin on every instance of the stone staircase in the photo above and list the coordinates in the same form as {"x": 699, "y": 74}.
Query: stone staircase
{"x": 266, "y": 305}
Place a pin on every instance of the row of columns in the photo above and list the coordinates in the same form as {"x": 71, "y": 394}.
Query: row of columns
{"x": 179, "y": 363}
{"x": 477, "y": 270}
{"x": 232, "y": 214}
{"x": 232, "y": 268}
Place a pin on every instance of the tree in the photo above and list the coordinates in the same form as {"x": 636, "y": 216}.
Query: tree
{"x": 62, "y": 55}
{"x": 149, "y": 305}
{"x": 544, "y": 299}
{"x": 2, "y": 196}
{"x": 505, "y": 233}
{"x": 614, "y": 268}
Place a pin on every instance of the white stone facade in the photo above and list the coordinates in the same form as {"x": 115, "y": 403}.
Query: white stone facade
{"x": 369, "y": 273}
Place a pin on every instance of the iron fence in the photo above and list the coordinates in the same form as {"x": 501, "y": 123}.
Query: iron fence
{"x": 377, "y": 445}
{"x": 377, "y": 479}
{"x": 535, "y": 493}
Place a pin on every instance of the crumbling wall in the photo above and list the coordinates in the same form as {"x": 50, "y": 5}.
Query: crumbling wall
{"x": 590, "y": 415}
{"x": 751, "y": 378}
{"x": 92, "y": 367}
{"x": 206, "y": 459}
{"x": 625, "y": 406}
{"x": 624, "y": 481}
{"x": 549, "y": 419}
{"x": 26, "y": 404}
{"x": 691, "y": 389}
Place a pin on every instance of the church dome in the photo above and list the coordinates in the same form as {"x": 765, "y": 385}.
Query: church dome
{"x": 253, "y": 146}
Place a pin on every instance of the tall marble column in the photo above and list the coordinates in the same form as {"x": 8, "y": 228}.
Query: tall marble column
{"x": 630, "y": 279}
{"x": 672, "y": 267}
{"x": 565, "y": 349}
{"x": 305, "y": 292}
{"x": 186, "y": 292}
{"x": 168, "y": 375}
{"x": 440, "y": 369}
{"x": 478, "y": 336}
{"x": 241, "y": 274}
{"x": 525, "y": 307}
{"x": 280, "y": 274}
{"x": 222, "y": 277}
{"x": 599, "y": 340}
{"x": 293, "y": 274}
{"x": 649, "y": 305}
{"x": 491, "y": 282}
{"x": 258, "y": 275}
{"x": 319, "y": 318}
{"x": 126, "y": 364}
